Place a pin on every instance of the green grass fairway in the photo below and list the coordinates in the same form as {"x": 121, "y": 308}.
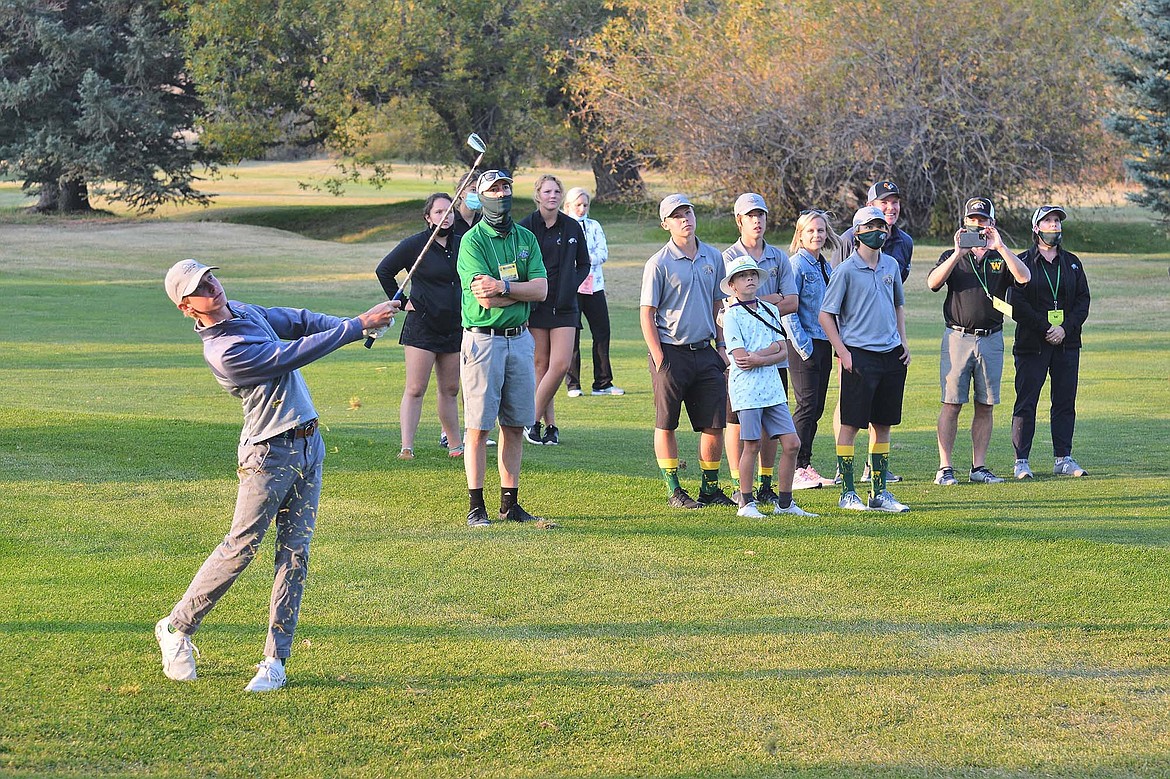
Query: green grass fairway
{"x": 1015, "y": 630}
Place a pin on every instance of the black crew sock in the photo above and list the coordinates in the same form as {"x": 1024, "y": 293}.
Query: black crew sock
{"x": 475, "y": 499}
{"x": 784, "y": 499}
{"x": 508, "y": 498}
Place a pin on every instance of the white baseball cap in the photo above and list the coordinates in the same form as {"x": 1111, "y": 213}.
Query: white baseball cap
{"x": 183, "y": 277}
{"x": 867, "y": 214}
{"x": 739, "y": 264}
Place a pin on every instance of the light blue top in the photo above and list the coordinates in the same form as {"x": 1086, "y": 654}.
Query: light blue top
{"x": 864, "y": 300}
{"x": 754, "y": 387}
{"x": 251, "y": 359}
{"x": 684, "y": 291}
{"x": 803, "y": 326}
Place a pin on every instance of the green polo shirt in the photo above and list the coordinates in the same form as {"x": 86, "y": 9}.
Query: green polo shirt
{"x": 481, "y": 253}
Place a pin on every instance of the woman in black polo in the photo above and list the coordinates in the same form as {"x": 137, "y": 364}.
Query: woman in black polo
{"x": 555, "y": 320}
{"x": 431, "y": 335}
{"x": 1049, "y": 312}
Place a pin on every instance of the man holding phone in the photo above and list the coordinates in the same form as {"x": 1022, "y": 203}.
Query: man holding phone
{"x": 977, "y": 273}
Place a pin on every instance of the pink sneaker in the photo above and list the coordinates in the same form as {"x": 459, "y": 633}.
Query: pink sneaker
{"x": 806, "y": 479}
{"x": 812, "y": 474}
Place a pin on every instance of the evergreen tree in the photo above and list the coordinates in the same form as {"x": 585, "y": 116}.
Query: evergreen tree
{"x": 94, "y": 98}
{"x": 1144, "y": 119}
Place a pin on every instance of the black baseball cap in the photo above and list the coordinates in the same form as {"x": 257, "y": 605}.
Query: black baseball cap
{"x": 882, "y": 189}
{"x": 979, "y": 206}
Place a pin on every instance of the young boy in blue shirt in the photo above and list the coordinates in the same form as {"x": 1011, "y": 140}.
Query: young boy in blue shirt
{"x": 755, "y": 344}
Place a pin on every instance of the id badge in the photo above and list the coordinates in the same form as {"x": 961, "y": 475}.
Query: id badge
{"x": 1056, "y": 317}
{"x": 508, "y": 272}
{"x": 1002, "y": 306}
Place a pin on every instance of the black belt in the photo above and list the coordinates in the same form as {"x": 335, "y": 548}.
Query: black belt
{"x": 304, "y": 431}
{"x": 506, "y": 332}
{"x": 975, "y": 330}
{"x": 696, "y": 346}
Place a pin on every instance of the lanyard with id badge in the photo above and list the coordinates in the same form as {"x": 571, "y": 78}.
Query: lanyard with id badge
{"x": 1056, "y": 315}
{"x": 509, "y": 271}
{"x": 998, "y": 303}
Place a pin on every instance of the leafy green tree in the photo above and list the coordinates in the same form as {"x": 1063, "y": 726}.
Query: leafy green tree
{"x": 1144, "y": 118}
{"x": 94, "y": 96}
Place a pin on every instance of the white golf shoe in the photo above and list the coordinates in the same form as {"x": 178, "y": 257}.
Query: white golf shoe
{"x": 269, "y": 676}
{"x": 178, "y": 652}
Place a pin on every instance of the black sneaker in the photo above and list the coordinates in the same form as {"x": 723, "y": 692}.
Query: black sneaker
{"x": 551, "y": 436}
{"x": 518, "y": 514}
{"x": 679, "y": 499}
{"x": 478, "y": 517}
{"x": 532, "y": 435}
{"x": 767, "y": 496}
{"x": 716, "y": 498}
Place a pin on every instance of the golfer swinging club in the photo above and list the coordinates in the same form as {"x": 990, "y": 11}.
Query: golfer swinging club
{"x": 280, "y": 455}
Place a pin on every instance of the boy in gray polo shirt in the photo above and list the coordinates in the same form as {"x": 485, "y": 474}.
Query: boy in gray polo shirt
{"x": 680, "y": 298}
{"x": 862, "y": 314}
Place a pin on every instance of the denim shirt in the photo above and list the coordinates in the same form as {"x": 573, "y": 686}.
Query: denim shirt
{"x": 804, "y": 325}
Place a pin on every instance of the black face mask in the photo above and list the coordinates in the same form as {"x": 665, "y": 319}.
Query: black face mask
{"x": 1050, "y": 238}
{"x": 443, "y": 231}
{"x": 875, "y": 239}
{"x": 497, "y": 211}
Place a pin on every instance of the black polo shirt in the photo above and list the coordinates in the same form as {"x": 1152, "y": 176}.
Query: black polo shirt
{"x": 967, "y": 303}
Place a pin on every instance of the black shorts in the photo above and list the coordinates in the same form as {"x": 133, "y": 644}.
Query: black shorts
{"x": 871, "y": 393}
{"x": 694, "y": 377}
{"x": 543, "y": 317}
{"x": 425, "y": 332}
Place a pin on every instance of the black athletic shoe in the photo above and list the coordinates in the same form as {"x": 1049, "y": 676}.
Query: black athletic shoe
{"x": 551, "y": 436}
{"x": 679, "y": 499}
{"x": 518, "y": 514}
{"x": 767, "y": 496}
{"x": 716, "y": 498}
{"x": 478, "y": 517}
{"x": 532, "y": 435}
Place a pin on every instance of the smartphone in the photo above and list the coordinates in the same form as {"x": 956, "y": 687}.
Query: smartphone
{"x": 972, "y": 239}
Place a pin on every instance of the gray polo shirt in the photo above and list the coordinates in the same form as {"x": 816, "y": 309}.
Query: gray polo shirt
{"x": 684, "y": 291}
{"x": 776, "y": 277}
{"x": 775, "y": 272}
{"x": 863, "y": 300}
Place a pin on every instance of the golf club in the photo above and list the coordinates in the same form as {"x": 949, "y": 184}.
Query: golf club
{"x": 476, "y": 143}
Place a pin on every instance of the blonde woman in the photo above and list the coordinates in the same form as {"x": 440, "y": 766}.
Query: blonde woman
{"x": 555, "y": 320}
{"x": 591, "y": 301}
{"x": 810, "y": 359}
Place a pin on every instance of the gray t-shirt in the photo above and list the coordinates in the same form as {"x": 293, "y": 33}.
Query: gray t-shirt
{"x": 864, "y": 301}
{"x": 684, "y": 291}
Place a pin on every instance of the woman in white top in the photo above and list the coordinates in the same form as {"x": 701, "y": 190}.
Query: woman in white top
{"x": 591, "y": 299}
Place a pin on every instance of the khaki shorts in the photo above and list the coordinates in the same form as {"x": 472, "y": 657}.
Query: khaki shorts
{"x": 966, "y": 358}
{"x": 498, "y": 375}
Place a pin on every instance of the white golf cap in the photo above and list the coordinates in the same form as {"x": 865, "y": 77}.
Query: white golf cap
{"x": 1044, "y": 211}
{"x": 748, "y": 202}
{"x": 737, "y": 265}
{"x": 867, "y": 214}
{"x": 489, "y": 177}
{"x": 183, "y": 277}
{"x": 672, "y": 203}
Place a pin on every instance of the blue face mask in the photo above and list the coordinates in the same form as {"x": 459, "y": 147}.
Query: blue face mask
{"x": 472, "y": 201}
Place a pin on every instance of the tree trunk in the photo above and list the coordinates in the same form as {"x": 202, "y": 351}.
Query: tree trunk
{"x": 617, "y": 178}
{"x": 64, "y": 196}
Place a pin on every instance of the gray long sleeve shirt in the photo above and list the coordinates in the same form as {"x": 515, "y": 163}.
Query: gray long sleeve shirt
{"x": 256, "y": 356}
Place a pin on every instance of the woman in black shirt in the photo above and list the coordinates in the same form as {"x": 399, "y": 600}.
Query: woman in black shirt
{"x": 431, "y": 335}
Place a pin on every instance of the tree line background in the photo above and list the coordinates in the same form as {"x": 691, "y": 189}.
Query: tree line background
{"x": 805, "y": 102}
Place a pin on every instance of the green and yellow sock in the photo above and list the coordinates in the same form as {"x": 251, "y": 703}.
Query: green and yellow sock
{"x": 845, "y": 463}
{"x": 879, "y": 462}
{"x": 766, "y": 478}
{"x": 669, "y": 468}
{"x": 734, "y": 478}
{"x": 710, "y": 477}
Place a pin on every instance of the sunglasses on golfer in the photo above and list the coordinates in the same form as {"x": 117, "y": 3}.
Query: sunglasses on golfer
{"x": 491, "y": 177}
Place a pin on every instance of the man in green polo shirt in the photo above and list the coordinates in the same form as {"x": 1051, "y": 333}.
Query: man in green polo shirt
{"x": 502, "y": 273}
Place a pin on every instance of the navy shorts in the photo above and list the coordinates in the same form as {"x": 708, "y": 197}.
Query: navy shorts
{"x": 871, "y": 393}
